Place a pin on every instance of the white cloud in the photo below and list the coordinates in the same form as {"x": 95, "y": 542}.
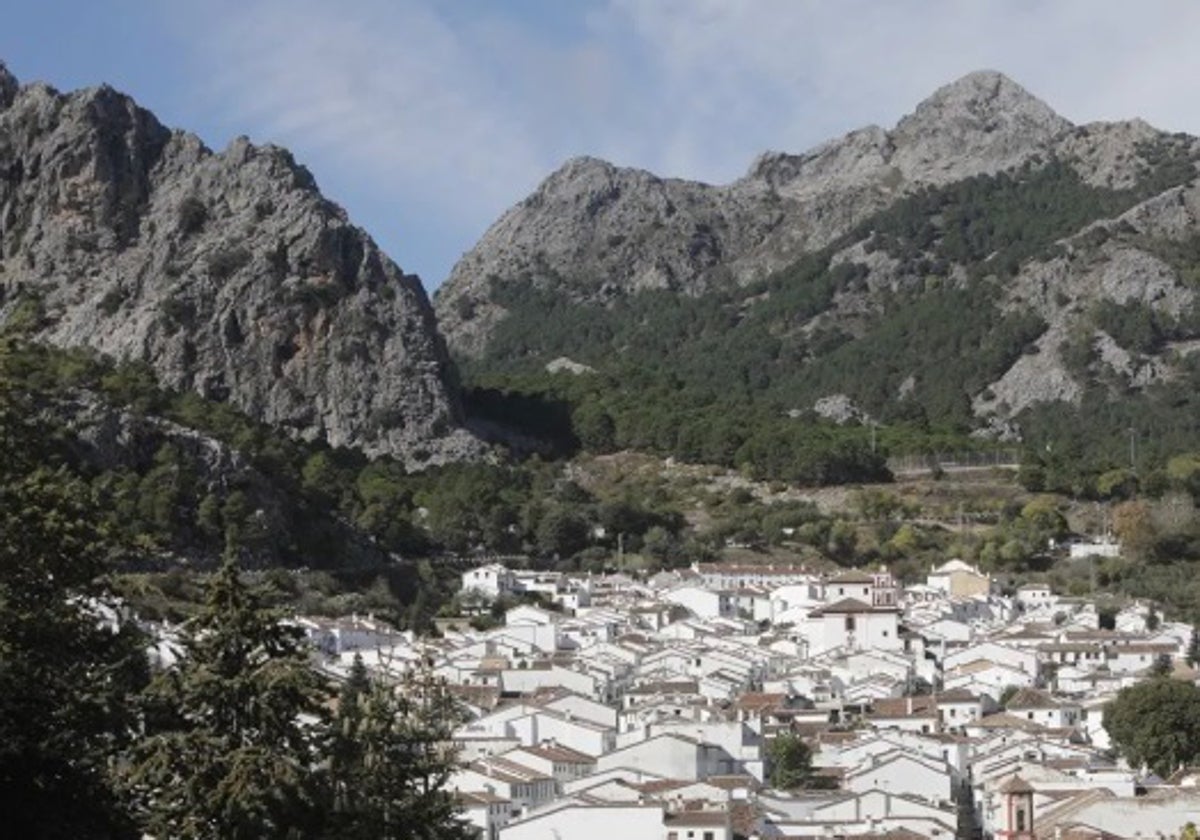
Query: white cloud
{"x": 453, "y": 112}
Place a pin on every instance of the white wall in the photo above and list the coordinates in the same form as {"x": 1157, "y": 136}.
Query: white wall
{"x": 671, "y": 758}
{"x": 529, "y": 680}
{"x": 578, "y": 822}
{"x": 903, "y": 775}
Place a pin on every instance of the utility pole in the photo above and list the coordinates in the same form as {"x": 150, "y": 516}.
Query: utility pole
{"x": 1132, "y": 447}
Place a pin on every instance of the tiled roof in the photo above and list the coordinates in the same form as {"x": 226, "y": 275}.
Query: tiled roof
{"x": 696, "y": 818}
{"x": 846, "y": 605}
{"x": 903, "y": 707}
{"x": 560, "y": 754}
{"x": 1003, "y": 720}
{"x": 478, "y": 797}
{"x": 1016, "y": 785}
{"x": 1031, "y": 698}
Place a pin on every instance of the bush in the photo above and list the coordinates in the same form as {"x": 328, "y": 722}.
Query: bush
{"x": 224, "y": 264}
{"x": 192, "y": 215}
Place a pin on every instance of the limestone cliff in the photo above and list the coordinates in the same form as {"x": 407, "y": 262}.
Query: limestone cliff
{"x": 227, "y": 272}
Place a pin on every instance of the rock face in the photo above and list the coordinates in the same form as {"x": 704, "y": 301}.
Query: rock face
{"x": 592, "y": 230}
{"x": 227, "y": 273}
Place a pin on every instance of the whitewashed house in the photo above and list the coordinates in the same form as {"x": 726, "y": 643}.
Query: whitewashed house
{"x": 491, "y": 581}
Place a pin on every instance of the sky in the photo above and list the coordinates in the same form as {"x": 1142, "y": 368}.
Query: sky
{"x": 426, "y": 119}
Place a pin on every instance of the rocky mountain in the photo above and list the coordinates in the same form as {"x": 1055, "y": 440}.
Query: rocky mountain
{"x": 1073, "y": 250}
{"x": 596, "y": 230}
{"x": 228, "y": 273}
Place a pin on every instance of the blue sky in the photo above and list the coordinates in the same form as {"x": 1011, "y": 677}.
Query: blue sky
{"x": 427, "y": 118}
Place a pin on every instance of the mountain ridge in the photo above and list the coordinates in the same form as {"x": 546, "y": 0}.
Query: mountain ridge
{"x": 590, "y": 219}
{"x": 227, "y": 272}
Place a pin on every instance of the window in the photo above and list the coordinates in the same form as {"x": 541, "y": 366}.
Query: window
{"x": 1020, "y": 819}
{"x": 708, "y": 835}
{"x": 849, "y": 624}
{"x": 672, "y": 835}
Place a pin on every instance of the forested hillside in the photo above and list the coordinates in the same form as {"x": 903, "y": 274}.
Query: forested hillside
{"x": 911, "y": 317}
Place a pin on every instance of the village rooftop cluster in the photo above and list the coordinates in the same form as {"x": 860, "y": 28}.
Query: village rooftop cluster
{"x": 637, "y": 709}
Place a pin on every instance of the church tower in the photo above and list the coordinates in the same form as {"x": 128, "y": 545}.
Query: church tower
{"x": 1016, "y": 810}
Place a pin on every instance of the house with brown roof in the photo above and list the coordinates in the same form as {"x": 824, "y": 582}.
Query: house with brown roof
{"x": 484, "y": 810}
{"x": 852, "y": 624}
{"x": 560, "y": 762}
{"x": 1041, "y": 708}
{"x": 522, "y": 786}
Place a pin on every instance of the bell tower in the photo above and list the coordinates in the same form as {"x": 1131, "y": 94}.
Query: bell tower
{"x": 1016, "y": 810}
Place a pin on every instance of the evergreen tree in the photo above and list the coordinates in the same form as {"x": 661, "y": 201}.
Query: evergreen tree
{"x": 233, "y": 733}
{"x": 790, "y": 762}
{"x": 391, "y": 760}
{"x": 1193, "y": 651}
{"x": 68, "y": 662}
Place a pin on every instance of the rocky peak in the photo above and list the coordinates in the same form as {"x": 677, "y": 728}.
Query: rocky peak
{"x": 581, "y": 168}
{"x": 228, "y": 273}
{"x": 984, "y": 100}
{"x": 984, "y": 121}
{"x": 582, "y": 180}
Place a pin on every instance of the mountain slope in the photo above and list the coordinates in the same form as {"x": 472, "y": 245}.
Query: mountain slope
{"x": 227, "y": 272}
{"x": 983, "y": 258}
{"x": 594, "y": 230}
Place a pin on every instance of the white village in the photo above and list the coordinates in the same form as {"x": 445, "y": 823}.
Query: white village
{"x": 657, "y": 708}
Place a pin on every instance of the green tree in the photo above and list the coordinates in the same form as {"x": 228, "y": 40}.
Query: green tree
{"x": 595, "y": 428}
{"x": 231, "y": 743}
{"x": 68, "y": 661}
{"x": 790, "y": 760}
{"x": 1156, "y": 723}
{"x": 562, "y": 531}
{"x": 389, "y": 762}
{"x": 1161, "y": 667}
{"x": 319, "y": 476}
